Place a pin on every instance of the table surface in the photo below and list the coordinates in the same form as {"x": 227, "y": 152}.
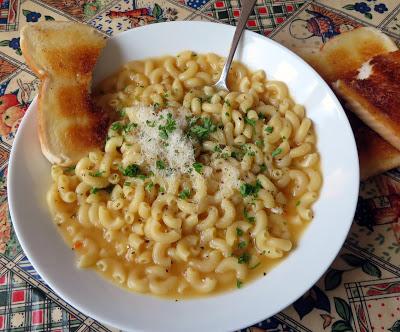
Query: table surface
{"x": 361, "y": 290}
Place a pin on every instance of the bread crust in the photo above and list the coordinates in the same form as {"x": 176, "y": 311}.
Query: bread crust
{"x": 341, "y": 56}
{"x": 63, "y": 55}
{"x": 374, "y": 153}
{"x": 376, "y": 99}
{"x": 340, "y": 59}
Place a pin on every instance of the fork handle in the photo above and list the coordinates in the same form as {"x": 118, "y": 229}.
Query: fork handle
{"x": 247, "y": 7}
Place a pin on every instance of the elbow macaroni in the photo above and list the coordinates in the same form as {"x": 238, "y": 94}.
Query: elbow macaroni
{"x": 237, "y": 210}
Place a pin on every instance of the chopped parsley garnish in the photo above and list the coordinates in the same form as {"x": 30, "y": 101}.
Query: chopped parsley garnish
{"x": 117, "y": 126}
{"x": 239, "y": 283}
{"x": 161, "y": 190}
{"x": 151, "y": 124}
{"x": 121, "y": 112}
{"x": 217, "y": 148}
{"x": 251, "y": 122}
{"x": 131, "y": 171}
{"x": 244, "y": 258}
{"x": 242, "y": 244}
{"x": 130, "y": 126}
{"x": 248, "y": 151}
{"x": 260, "y": 143}
{"x": 263, "y": 168}
{"x": 156, "y": 105}
{"x": 247, "y": 189}
{"x": 239, "y": 232}
{"x": 191, "y": 121}
{"x": 201, "y": 128}
{"x": 198, "y": 167}
{"x": 70, "y": 169}
{"x": 237, "y": 154}
{"x": 249, "y": 218}
{"x": 255, "y": 266}
{"x": 269, "y": 129}
{"x": 297, "y": 203}
{"x": 276, "y": 152}
{"x": 168, "y": 127}
{"x": 94, "y": 190}
{"x": 184, "y": 194}
{"x": 160, "y": 164}
{"x": 224, "y": 155}
{"x": 227, "y": 103}
{"x": 206, "y": 99}
{"x": 149, "y": 186}
{"x": 96, "y": 174}
{"x": 127, "y": 184}
{"x": 261, "y": 116}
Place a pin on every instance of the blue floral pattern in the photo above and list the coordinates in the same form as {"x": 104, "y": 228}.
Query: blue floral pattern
{"x": 381, "y": 8}
{"x": 364, "y": 8}
{"x": 32, "y": 16}
{"x": 196, "y": 4}
{"x": 13, "y": 43}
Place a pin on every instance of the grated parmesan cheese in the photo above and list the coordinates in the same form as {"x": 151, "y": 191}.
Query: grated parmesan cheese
{"x": 230, "y": 178}
{"x": 176, "y": 151}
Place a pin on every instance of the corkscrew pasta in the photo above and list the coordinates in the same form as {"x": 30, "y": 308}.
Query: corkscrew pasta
{"x": 197, "y": 190}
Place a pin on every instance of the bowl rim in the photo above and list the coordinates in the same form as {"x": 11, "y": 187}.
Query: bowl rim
{"x": 114, "y": 323}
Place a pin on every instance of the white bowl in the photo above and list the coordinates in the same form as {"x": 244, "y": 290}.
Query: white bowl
{"x": 29, "y": 179}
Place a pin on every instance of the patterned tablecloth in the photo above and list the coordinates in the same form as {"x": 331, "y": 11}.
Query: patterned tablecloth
{"x": 361, "y": 290}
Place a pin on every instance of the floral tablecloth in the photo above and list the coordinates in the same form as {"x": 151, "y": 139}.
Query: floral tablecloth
{"x": 361, "y": 290}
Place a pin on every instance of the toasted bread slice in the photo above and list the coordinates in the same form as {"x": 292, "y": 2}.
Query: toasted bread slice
{"x": 63, "y": 55}
{"x": 374, "y": 95}
{"x": 375, "y": 154}
{"x": 344, "y": 54}
{"x": 342, "y": 57}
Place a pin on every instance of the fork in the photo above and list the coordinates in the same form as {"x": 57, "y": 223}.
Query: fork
{"x": 247, "y": 7}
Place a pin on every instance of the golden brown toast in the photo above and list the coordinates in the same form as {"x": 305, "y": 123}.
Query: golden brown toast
{"x": 345, "y": 53}
{"x": 375, "y": 97}
{"x": 375, "y": 154}
{"x": 342, "y": 57}
{"x": 63, "y": 55}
